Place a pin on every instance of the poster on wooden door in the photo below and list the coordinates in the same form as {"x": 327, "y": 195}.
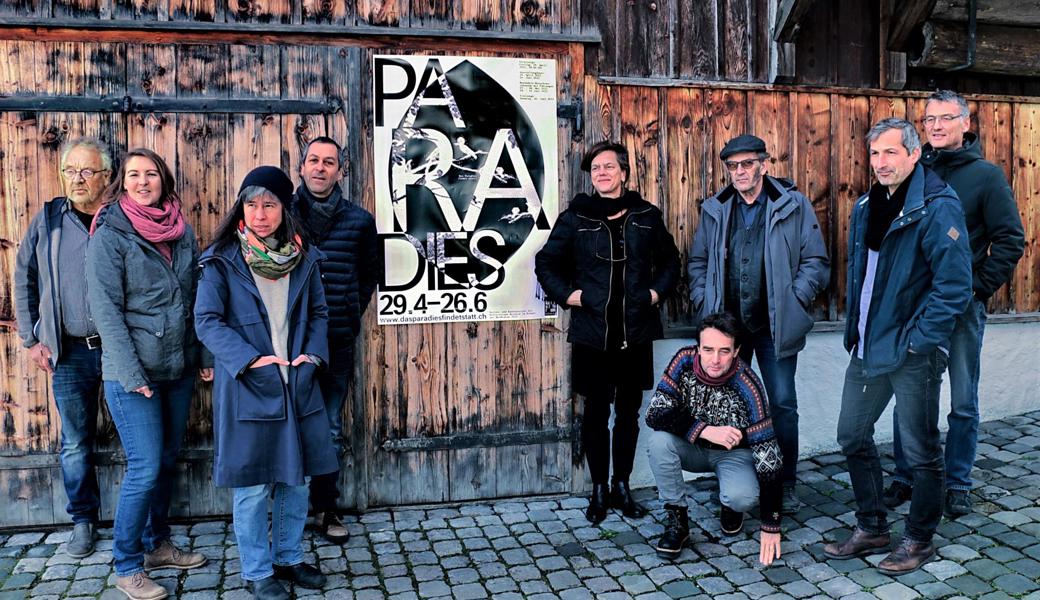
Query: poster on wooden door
{"x": 466, "y": 185}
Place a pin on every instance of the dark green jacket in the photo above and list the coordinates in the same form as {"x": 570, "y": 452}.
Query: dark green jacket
{"x": 142, "y": 306}
{"x": 990, "y": 213}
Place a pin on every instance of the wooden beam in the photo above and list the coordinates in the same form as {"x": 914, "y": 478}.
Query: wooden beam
{"x": 893, "y": 64}
{"x": 906, "y": 21}
{"x": 789, "y": 15}
{"x": 998, "y": 50}
{"x": 1020, "y": 13}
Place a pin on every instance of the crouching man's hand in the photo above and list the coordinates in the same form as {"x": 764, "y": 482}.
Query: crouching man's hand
{"x": 768, "y": 548}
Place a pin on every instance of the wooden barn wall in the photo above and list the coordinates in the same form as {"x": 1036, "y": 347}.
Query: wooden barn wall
{"x": 413, "y": 381}
{"x": 674, "y": 135}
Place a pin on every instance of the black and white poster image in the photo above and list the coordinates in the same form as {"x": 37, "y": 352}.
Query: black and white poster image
{"x": 466, "y": 186}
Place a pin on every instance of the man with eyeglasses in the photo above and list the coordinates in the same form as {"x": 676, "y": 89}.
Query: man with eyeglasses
{"x": 758, "y": 254}
{"x": 997, "y": 242}
{"x": 56, "y": 328}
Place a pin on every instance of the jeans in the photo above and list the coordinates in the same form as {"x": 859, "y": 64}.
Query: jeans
{"x": 77, "y": 388}
{"x": 778, "y": 378}
{"x": 965, "y": 359}
{"x": 288, "y": 516}
{"x": 151, "y": 430}
{"x": 670, "y": 455}
{"x": 324, "y": 489}
{"x": 916, "y": 387}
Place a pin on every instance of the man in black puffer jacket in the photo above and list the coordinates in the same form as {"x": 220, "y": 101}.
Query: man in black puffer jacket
{"x": 997, "y": 242}
{"x": 346, "y": 233}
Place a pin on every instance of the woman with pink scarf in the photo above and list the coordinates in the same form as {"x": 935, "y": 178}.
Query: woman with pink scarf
{"x": 141, "y": 278}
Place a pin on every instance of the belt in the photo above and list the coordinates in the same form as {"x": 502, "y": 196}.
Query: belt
{"x": 92, "y": 342}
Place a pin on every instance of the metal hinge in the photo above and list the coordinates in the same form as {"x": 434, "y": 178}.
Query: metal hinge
{"x": 576, "y": 112}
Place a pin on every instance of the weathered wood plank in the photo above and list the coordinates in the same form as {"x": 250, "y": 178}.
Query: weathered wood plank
{"x": 388, "y": 13}
{"x": 80, "y": 69}
{"x": 332, "y": 12}
{"x": 641, "y": 135}
{"x": 17, "y": 67}
{"x": 697, "y": 40}
{"x": 851, "y": 173}
{"x": 601, "y": 17}
{"x": 993, "y": 125}
{"x": 727, "y": 112}
{"x": 142, "y": 10}
{"x": 260, "y": 11}
{"x": 737, "y": 51}
{"x": 1026, "y": 186}
{"x": 432, "y": 13}
{"x": 811, "y": 155}
{"x": 198, "y": 10}
{"x": 643, "y": 45}
{"x": 906, "y": 21}
{"x": 789, "y": 15}
{"x": 769, "y": 117}
{"x": 470, "y": 384}
{"x": 998, "y": 50}
{"x": 992, "y": 12}
{"x": 535, "y": 15}
{"x": 424, "y": 475}
{"x": 202, "y": 70}
{"x": 885, "y": 107}
{"x": 76, "y": 8}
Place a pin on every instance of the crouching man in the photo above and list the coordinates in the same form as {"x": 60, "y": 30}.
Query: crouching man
{"x": 710, "y": 414}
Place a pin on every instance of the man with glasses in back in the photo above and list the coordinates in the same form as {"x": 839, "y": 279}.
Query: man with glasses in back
{"x": 997, "y": 242}
{"x": 56, "y": 328}
{"x": 758, "y": 254}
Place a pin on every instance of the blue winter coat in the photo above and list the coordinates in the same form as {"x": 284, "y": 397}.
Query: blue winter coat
{"x": 264, "y": 430}
{"x": 923, "y": 278}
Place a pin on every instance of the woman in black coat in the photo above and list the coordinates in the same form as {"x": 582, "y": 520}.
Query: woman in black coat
{"x": 610, "y": 260}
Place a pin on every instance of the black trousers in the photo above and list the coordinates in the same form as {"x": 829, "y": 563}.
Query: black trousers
{"x": 611, "y": 378}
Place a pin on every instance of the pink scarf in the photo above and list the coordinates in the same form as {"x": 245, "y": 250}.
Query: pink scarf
{"x": 157, "y": 224}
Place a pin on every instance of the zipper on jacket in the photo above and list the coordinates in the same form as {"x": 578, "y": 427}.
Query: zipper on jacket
{"x": 624, "y": 297}
{"x": 610, "y": 289}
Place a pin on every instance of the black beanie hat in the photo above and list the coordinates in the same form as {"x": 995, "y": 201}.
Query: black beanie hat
{"x": 271, "y": 179}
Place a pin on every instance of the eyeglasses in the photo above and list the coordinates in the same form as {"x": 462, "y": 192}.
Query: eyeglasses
{"x": 931, "y": 119}
{"x": 71, "y": 173}
{"x": 732, "y": 165}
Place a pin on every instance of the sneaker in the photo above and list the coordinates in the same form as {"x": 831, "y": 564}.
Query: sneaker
{"x": 330, "y": 527}
{"x": 140, "y": 587}
{"x": 81, "y": 544}
{"x": 676, "y": 532}
{"x": 958, "y": 503}
{"x": 791, "y": 502}
{"x": 169, "y": 556}
{"x": 897, "y": 493}
{"x": 732, "y": 521}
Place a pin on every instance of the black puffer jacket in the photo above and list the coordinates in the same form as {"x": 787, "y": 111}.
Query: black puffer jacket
{"x": 994, "y": 225}
{"x": 349, "y": 273}
{"x": 577, "y": 257}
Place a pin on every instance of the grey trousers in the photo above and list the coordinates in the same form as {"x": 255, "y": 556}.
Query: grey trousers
{"x": 670, "y": 455}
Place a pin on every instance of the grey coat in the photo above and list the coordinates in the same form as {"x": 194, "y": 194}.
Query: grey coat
{"x": 797, "y": 267}
{"x": 142, "y": 305}
{"x": 36, "y": 295}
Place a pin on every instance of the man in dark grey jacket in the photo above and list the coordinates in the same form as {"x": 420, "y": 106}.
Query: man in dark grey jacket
{"x": 997, "y": 242}
{"x": 56, "y": 327}
{"x": 758, "y": 253}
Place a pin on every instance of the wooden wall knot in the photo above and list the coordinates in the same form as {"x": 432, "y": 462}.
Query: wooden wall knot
{"x": 531, "y": 13}
{"x": 246, "y": 9}
{"x": 197, "y": 133}
{"x": 147, "y": 86}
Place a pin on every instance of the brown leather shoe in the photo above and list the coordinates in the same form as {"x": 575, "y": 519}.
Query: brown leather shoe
{"x": 140, "y": 587}
{"x": 907, "y": 557}
{"x": 860, "y": 543}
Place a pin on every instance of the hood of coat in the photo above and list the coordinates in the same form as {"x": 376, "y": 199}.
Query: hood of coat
{"x": 969, "y": 152}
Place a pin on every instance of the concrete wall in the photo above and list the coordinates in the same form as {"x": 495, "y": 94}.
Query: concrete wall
{"x": 1010, "y": 385}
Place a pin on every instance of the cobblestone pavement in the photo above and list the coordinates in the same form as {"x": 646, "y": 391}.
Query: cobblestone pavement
{"x": 544, "y": 548}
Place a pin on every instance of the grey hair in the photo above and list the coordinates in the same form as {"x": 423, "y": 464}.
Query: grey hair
{"x": 87, "y": 142}
{"x": 911, "y": 141}
{"x": 950, "y": 96}
{"x": 255, "y": 191}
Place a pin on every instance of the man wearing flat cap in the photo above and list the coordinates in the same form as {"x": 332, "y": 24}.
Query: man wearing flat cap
{"x": 758, "y": 254}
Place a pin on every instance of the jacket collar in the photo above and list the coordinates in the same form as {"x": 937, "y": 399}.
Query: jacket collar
{"x": 970, "y": 151}
{"x": 231, "y": 255}
{"x": 780, "y": 204}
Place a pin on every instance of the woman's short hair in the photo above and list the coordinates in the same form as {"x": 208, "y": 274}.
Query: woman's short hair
{"x": 600, "y": 148}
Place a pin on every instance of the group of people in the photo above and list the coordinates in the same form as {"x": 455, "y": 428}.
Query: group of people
{"x": 928, "y": 244}
{"x": 112, "y": 292}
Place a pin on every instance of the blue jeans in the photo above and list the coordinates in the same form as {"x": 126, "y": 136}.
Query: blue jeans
{"x": 965, "y": 359}
{"x": 324, "y": 489}
{"x": 151, "y": 430}
{"x": 778, "y": 378}
{"x": 288, "y": 516}
{"x": 77, "y": 388}
{"x": 916, "y": 387}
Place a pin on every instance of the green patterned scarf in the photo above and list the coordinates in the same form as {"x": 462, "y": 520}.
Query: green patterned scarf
{"x": 265, "y": 257}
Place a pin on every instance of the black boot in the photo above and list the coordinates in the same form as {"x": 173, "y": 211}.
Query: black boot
{"x": 597, "y": 510}
{"x": 676, "y": 533}
{"x": 621, "y": 497}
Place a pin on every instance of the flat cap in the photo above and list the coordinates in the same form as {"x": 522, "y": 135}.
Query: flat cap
{"x": 742, "y": 143}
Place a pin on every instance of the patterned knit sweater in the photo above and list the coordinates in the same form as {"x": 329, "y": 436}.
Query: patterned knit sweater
{"x": 684, "y": 405}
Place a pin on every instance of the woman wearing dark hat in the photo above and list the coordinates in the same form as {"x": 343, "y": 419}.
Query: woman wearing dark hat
{"x": 261, "y": 312}
{"x": 141, "y": 275}
{"x": 610, "y": 260}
